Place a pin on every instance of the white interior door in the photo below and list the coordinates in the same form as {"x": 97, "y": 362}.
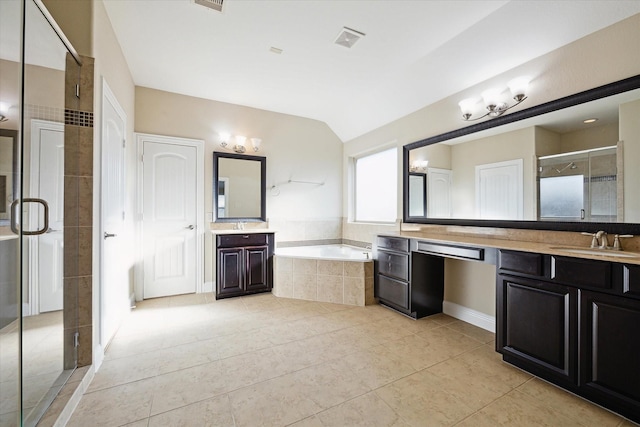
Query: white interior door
{"x": 114, "y": 286}
{"x": 499, "y": 190}
{"x": 169, "y": 219}
{"x": 438, "y": 193}
{"x": 48, "y": 176}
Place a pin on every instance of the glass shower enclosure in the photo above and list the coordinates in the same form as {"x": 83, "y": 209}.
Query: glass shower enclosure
{"x": 38, "y": 319}
{"x": 579, "y": 186}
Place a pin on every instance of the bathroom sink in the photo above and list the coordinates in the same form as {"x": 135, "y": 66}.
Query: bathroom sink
{"x": 594, "y": 251}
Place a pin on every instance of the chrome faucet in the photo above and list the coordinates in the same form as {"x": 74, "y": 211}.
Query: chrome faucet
{"x": 601, "y": 237}
{"x": 598, "y": 240}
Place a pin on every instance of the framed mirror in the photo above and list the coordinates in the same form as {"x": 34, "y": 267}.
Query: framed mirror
{"x": 546, "y": 167}
{"x": 239, "y": 187}
{"x": 8, "y": 172}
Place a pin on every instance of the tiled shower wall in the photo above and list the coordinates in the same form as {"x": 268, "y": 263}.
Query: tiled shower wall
{"x": 78, "y": 210}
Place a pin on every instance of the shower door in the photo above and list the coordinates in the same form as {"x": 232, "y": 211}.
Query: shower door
{"x": 39, "y": 319}
{"x": 579, "y": 186}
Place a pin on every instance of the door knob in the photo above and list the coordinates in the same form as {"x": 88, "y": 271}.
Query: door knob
{"x": 107, "y": 235}
{"x": 190, "y": 227}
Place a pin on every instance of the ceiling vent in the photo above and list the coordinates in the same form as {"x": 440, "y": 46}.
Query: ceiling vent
{"x": 211, "y": 4}
{"x": 348, "y": 37}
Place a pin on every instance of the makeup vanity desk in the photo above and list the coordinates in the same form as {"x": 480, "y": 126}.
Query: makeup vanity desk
{"x": 566, "y": 314}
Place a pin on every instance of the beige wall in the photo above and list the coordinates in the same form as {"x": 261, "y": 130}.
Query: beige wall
{"x": 547, "y": 142}
{"x": 74, "y": 17}
{"x": 630, "y": 135}
{"x": 587, "y": 139}
{"x": 595, "y": 60}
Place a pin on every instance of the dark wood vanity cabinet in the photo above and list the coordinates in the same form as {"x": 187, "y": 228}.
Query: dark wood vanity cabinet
{"x": 537, "y": 330}
{"x": 610, "y": 349}
{"x": 574, "y": 322}
{"x": 244, "y": 264}
{"x": 409, "y": 282}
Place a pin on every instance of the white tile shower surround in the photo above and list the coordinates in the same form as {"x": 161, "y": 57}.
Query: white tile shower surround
{"x": 267, "y": 361}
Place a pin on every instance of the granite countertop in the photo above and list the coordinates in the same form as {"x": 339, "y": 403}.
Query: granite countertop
{"x": 245, "y": 231}
{"x": 555, "y": 248}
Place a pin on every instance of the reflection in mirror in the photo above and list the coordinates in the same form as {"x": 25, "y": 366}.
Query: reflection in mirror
{"x": 573, "y": 169}
{"x": 417, "y": 194}
{"x": 239, "y": 187}
{"x": 580, "y": 186}
{"x": 8, "y": 171}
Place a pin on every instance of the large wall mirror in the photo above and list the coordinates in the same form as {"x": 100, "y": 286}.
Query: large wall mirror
{"x": 8, "y": 172}
{"x": 548, "y": 167}
{"x": 239, "y": 187}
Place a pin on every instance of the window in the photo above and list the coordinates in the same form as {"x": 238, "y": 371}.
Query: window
{"x": 375, "y": 190}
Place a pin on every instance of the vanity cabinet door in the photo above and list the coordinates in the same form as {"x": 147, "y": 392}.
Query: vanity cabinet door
{"x": 537, "y": 327}
{"x": 230, "y": 271}
{"x": 257, "y": 277}
{"x": 610, "y": 372}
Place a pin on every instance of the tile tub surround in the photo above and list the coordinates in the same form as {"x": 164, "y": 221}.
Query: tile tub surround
{"x": 340, "y": 282}
{"x": 264, "y": 360}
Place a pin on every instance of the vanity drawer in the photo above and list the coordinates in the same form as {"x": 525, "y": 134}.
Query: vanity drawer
{"x": 521, "y": 262}
{"x": 393, "y": 264}
{"x": 240, "y": 240}
{"x": 456, "y": 251}
{"x": 393, "y": 291}
{"x": 581, "y": 272}
{"x": 393, "y": 243}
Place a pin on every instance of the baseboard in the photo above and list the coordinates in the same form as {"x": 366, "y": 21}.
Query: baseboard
{"x": 468, "y": 315}
{"x": 207, "y": 287}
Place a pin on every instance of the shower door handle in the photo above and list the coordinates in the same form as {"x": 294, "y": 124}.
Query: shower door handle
{"x": 14, "y": 223}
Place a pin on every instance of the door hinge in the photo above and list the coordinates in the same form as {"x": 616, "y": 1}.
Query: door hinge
{"x": 77, "y": 91}
{"x": 123, "y": 215}
{"x": 76, "y": 339}
{"x": 124, "y": 143}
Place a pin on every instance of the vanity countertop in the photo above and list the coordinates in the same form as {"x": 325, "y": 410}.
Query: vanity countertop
{"x": 557, "y": 249}
{"x": 8, "y": 237}
{"x": 245, "y": 231}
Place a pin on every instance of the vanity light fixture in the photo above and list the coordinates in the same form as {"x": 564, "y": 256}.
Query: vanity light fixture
{"x": 4, "y": 110}
{"x": 419, "y": 166}
{"x": 240, "y": 145}
{"x": 493, "y": 100}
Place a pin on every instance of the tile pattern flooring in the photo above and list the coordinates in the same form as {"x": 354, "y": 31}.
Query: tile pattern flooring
{"x": 267, "y": 361}
{"x": 42, "y": 344}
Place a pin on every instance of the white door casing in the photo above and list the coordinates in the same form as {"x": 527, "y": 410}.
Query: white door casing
{"x": 499, "y": 190}
{"x": 171, "y": 203}
{"x": 46, "y": 290}
{"x": 114, "y": 285}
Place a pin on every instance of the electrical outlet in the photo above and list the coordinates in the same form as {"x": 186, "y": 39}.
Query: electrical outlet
{"x": 209, "y": 216}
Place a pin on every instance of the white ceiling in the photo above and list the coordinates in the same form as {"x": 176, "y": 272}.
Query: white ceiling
{"x": 414, "y": 52}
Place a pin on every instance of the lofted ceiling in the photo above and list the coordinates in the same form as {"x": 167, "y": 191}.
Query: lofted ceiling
{"x": 413, "y": 54}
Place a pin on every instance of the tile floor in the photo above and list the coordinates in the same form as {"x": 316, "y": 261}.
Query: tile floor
{"x": 268, "y": 361}
{"x": 42, "y": 343}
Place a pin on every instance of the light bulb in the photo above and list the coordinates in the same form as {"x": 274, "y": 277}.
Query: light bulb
{"x": 255, "y": 142}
